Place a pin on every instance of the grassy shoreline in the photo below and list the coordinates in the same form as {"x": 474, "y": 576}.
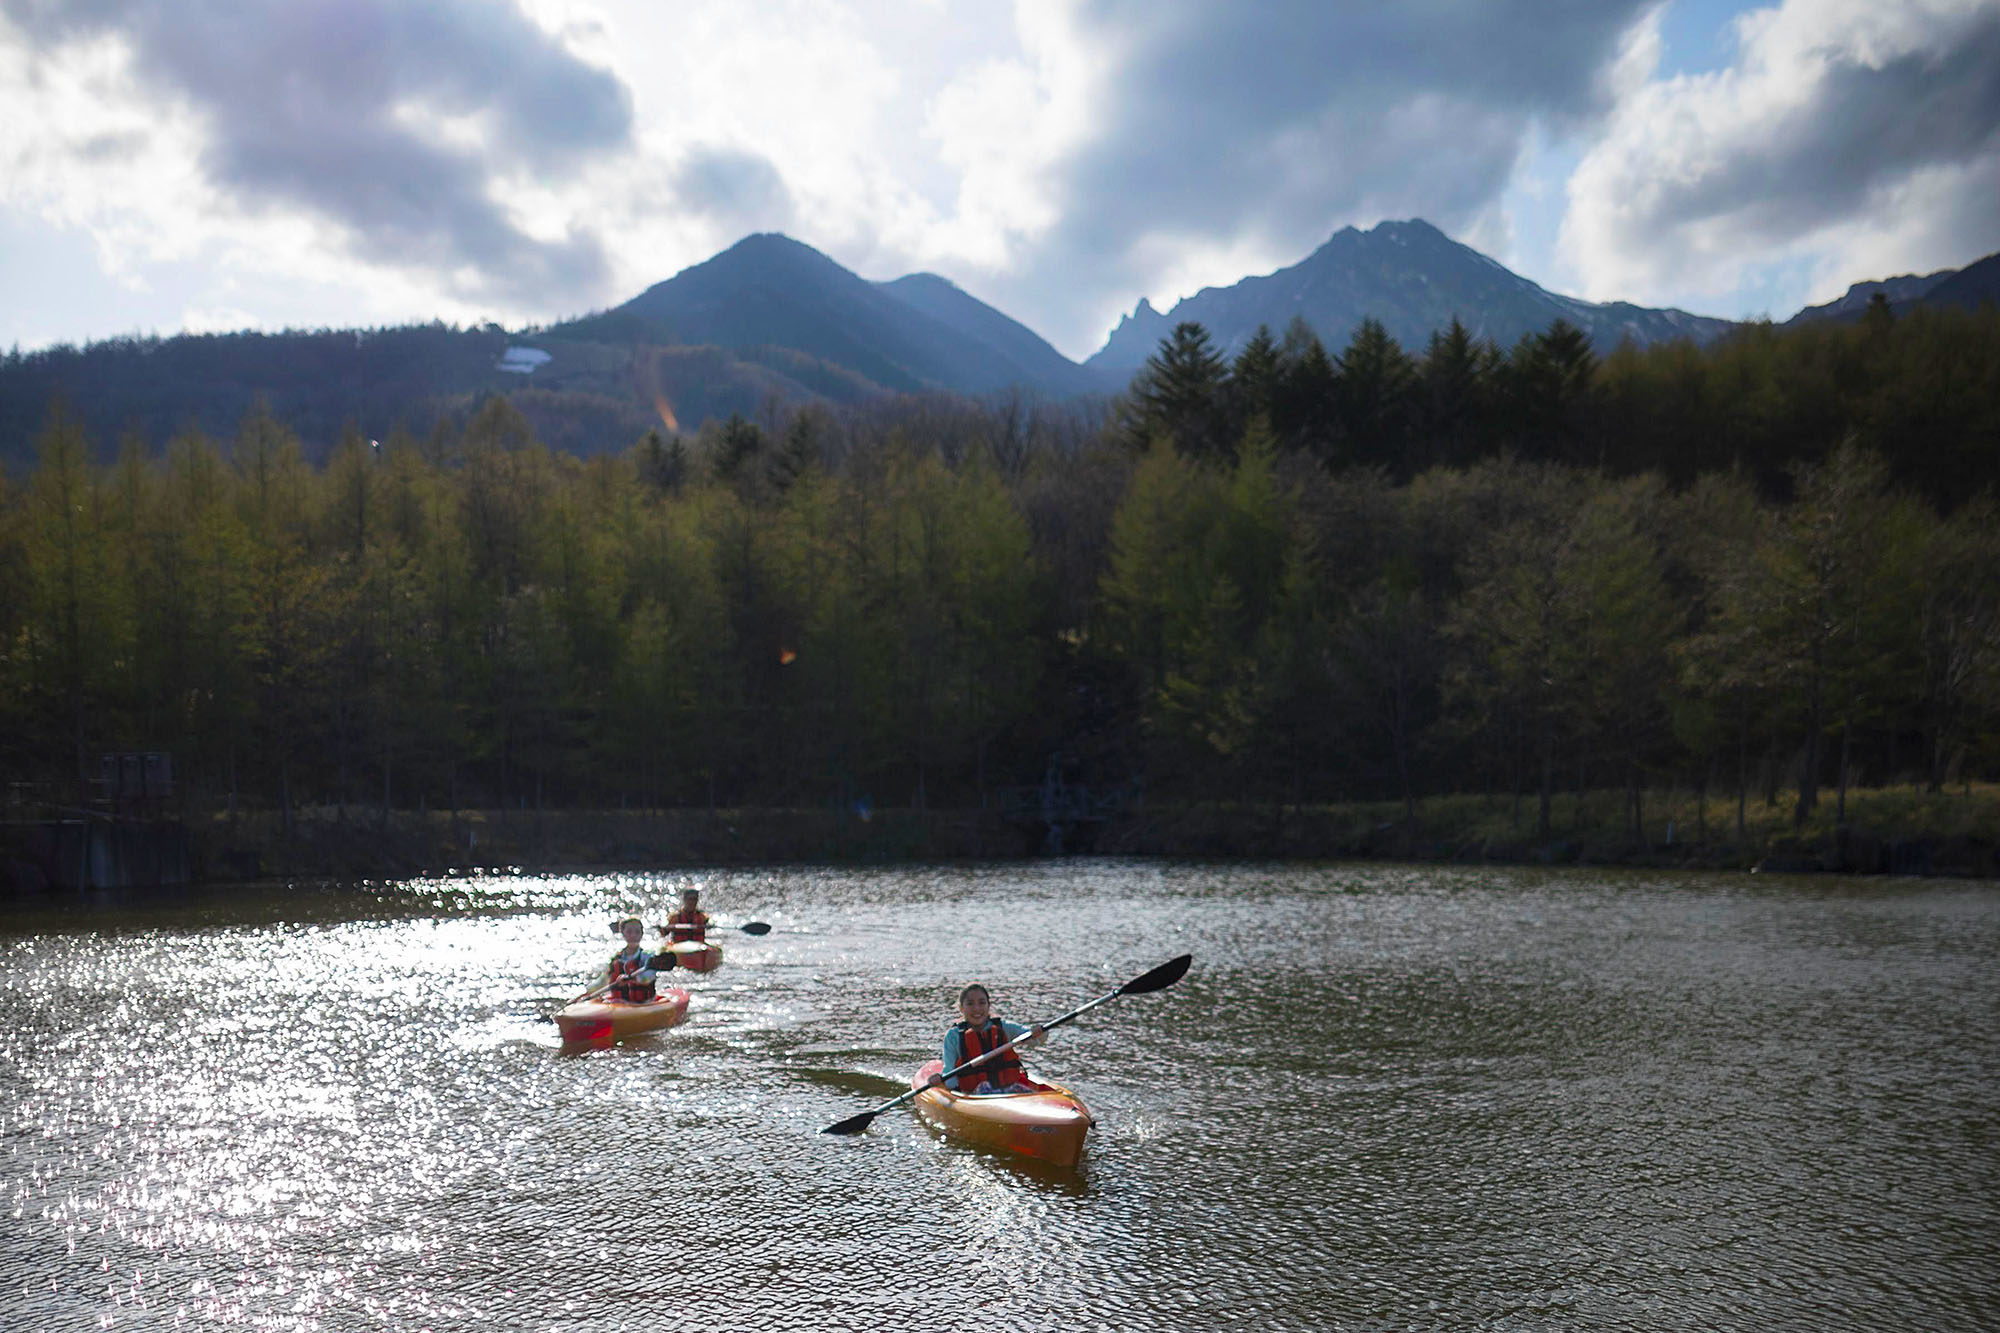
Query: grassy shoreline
{"x": 1896, "y": 830}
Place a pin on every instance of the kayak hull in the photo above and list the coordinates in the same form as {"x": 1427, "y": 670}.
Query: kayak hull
{"x": 696, "y": 955}
{"x": 1048, "y": 1124}
{"x": 594, "y": 1022}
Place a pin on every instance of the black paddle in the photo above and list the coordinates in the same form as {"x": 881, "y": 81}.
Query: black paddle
{"x": 1161, "y": 977}
{"x": 748, "y": 928}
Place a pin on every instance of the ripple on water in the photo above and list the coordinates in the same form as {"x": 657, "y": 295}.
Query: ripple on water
{"x": 1384, "y": 1098}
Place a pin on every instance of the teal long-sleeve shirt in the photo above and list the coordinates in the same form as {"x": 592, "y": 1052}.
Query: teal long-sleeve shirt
{"x": 954, "y": 1050}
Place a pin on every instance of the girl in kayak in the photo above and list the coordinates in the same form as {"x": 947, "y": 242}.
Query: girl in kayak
{"x": 690, "y": 922}
{"x": 978, "y": 1033}
{"x": 632, "y": 969}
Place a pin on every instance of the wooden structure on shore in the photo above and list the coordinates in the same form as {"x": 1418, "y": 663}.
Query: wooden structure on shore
{"x": 124, "y": 838}
{"x": 1063, "y": 810}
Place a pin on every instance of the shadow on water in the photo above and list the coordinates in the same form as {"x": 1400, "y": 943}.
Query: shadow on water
{"x": 1013, "y": 1170}
{"x": 860, "y": 1082}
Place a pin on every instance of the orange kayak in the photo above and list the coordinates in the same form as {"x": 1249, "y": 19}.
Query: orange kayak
{"x": 592, "y": 1022}
{"x": 1047, "y": 1124}
{"x": 696, "y": 955}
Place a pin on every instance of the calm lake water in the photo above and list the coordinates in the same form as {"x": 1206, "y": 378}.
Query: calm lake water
{"x": 1384, "y": 1098}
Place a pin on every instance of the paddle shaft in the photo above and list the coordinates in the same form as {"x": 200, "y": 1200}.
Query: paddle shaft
{"x": 748, "y": 928}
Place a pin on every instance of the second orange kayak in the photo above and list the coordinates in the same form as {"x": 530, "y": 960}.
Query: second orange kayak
{"x": 696, "y": 955}
{"x": 591, "y": 1022}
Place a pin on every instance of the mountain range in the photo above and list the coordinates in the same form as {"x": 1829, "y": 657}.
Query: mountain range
{"x": 773, "y": 322}
{"x": 1408, "y": 275}
{"x": 1967, "y": 288}
{"x": 916, "y": 333}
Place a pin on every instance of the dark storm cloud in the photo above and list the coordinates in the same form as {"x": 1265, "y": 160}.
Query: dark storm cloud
{"x": 1276, "y": 122}
{"x": 740, "y": 191}
{"x": 1861, "y": 129}
{"x": 302, "y": 100}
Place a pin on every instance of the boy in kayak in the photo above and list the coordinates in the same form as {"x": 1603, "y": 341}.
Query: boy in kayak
{"x": 690, "y": 922}
{"x": 632, "y": 969}
{"x": 978, "y": 1033}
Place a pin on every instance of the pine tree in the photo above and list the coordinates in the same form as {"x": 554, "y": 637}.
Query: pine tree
{"x": 1375, "y": 379}
{"x": 1181, "y": 396}
{"x": 798, "y": 453}
{"x": 1254, "y": 381}
{"x": 1307, "y": 385}
{"x": 1452, "y": 396}
{"x": 738, "y": 446}
{"x": 661, "y": 462}
{"x": 1552, "y": 379}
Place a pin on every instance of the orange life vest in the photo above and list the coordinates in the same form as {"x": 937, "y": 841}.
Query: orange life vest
{"x": 634, "y": 991}
{"x": 681, "y": 926}
{"x": 1002, "y": 1071}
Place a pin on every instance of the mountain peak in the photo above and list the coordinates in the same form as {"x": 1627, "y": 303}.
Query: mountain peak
{"x": 773, "y": 249}
{"x": 1407, "y": 274}
{"x": 780, "y": 303}
{"x": 767, "y": 242}
{"x": 1144, "y": 324}
{"x": 914, "y": 282}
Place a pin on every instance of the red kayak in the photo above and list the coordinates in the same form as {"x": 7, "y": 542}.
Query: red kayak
{"x": 602, "y": 1021}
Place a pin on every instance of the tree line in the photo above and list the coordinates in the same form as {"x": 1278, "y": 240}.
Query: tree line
{"x": 1922, "y": 389}
{"x": 1287, "y": 576}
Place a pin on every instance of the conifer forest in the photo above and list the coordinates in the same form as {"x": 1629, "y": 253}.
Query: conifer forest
{"x": 1768, "y": 567}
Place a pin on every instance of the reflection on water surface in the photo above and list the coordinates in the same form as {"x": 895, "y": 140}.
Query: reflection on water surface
{"x": 1384, "y": 1097}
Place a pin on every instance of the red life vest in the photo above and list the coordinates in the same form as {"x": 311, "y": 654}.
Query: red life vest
{"x": 1002, "y": 1071}
{"x": 634, "y": 991}
{"x": 681, "y": 926}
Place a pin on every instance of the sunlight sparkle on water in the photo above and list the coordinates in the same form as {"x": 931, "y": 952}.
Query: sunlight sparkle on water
{"x": 1496, "y": 1097}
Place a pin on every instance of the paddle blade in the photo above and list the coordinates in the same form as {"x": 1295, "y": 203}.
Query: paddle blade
{"x": 1161, "y": 977}
{"x": 854, "y": 1124}
{"x": 755, "y": 927}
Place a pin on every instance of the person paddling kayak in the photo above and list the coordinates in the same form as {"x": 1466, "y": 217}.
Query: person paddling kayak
{"x": 690, "y": 922}
{"x": 632, "y": 969}
{"x": 977, "y": 1033}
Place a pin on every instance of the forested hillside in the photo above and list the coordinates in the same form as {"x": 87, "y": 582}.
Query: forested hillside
{"x": 589, "y": 397}
{"x": 765, "y": 327}
{"x": 1300, "y": 576}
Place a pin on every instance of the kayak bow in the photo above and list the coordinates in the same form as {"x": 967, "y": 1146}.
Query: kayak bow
{"x": 1047, "y": 1124}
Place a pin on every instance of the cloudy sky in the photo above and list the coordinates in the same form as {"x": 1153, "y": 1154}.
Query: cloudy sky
{"x": 172, "y": 165}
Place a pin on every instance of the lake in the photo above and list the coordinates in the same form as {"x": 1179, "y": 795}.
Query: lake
{"x": 1383, "y": 1098}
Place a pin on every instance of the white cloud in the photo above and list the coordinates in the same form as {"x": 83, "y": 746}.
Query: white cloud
{"x": 1850, "y": 139}
{"x": 81, "y": 146}
{"x": 1003, "y": 126}
{"x": 1638, "y": 58}
{"x": 351, "y": 147}
{"x": 357, "y": 161}
{"x": 219, "y": 319}
{"x": 1226, "y": 135}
